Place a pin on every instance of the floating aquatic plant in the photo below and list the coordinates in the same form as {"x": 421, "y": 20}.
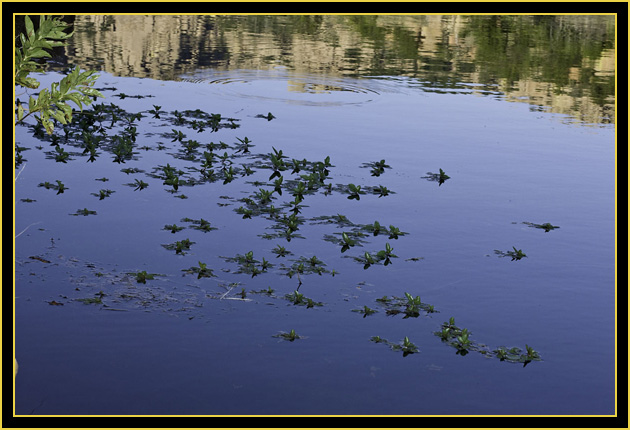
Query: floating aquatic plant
{"x": 365, "y": 311}
{"x": 179, "y": 246}
{"x": 406, "y": 346}
{"x": 440, "y": 178}
{"x": 408, "y": 305}
{"x": 143, "y": 276}
{"x": 355, "y": 192}
{"x": 460, "y": 339}
{"x": 202, "y": 271}
{"x": 138, "y": 184}
{"x": 281, "y": 251}
{"x": 103, "y": 194}
{"x": 200, "y": 224}
{"x": 546, "y": 226}
{"x": 377, "y": 168}
{"x": 173, "y": 228}
{"x": 299, "y": 299}
{"x": 516, "y": 254}
{"x": 59, "y": 186}
{"x": 290, "y": 336}
{"x": 268, "y": 117}
{"x": 84, "y": 212}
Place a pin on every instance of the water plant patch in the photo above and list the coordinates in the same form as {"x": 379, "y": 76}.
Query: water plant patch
{"x": 282, "y": 191}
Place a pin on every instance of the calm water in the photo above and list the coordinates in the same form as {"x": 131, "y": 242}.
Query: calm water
{"x": 180, "y": 344}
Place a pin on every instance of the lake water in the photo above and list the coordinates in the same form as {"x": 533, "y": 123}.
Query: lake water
{"x": 522, "y": 146}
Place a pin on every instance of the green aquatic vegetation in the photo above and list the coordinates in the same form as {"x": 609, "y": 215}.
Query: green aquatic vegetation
{"x": 408, "y": 305}
{"x": 247, "y": 264}
{"x": 122, "y": 148}
{"x": 277, "y": 185}
{"x": 124, "y": 96}
{"x": 290, "y": 336}
{"x": 365, "y": 311}
{"x": 179, "y": 118}
{"x": 173, "y": 228}
{"x": 91, "y": 301}
{"x": 367, "y": 260}
{"x": 130, "y": 170}
{"x": 263, "y": 196}
{"x": 516, "y": 355}
{"x": 155, "y": 111}
{"x": 375, "y": 228}
{"x": 268, "y": 117}
{"x": 463, "y": 342}
{"x": 84, "y": 212}
{"x": 377, "y": 168}
{"x": 516, "y": 254}
{"x": 178, "y": 136}
{"x": 459, "y": 339}
{"x": 103, "y": 194}
{"x": 138, "y": 185}
{"x": 247, "y": 213}
{"x": 406, "y": 346}
{"x": 244, "y": 146}
{"x": 298, "y": 165}
{"x": 394, "y": 232}
{"x": 179, "y": 246}
{"x": 61, "y": 155}
{"x": 277, "y": 163}
{"x": 299, "y": 299}
{"x": 298, "y": 191}
{"x": 546, "y": 226}
{"x": 281, "y": 251}
{"x": 228, "y": 174}
{"x": 346, "y": 242}
{"x": 386, "y": 254}
{"x": 200, "y": 224}
{"x": 305, "y": 266}
{"x": 381, "y": 191}
{"x": 143, "y": 276}
{"x": 190, "y": 147}
{"x": 339, "y": 219}
{"x": 355, "y": 192}
{"x": 346, "y": 239}
{"x": 291, "y": 222}
{"x": 440, "y": 178}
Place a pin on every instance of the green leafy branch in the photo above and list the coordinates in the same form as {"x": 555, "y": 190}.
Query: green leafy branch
{"x": 51, "y": 104}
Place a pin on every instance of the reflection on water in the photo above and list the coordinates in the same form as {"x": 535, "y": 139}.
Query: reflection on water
{"x": 562, "y": 64}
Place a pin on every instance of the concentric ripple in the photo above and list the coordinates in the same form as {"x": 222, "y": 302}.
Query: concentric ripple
{"x": 287, "y": 87}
